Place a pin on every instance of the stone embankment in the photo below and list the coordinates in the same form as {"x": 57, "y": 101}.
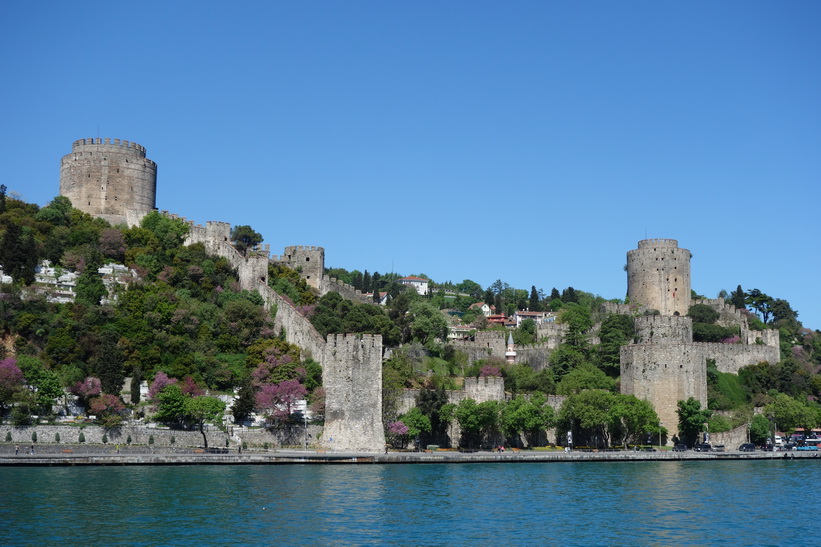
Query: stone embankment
{"x": 107, "y": 455}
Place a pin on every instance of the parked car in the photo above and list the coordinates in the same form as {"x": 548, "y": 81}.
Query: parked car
{"x": 747, "y": 447}
{"x": 718, "y": 448}
{"x": 703, "y": 447}
{"x": 680, "y": 448}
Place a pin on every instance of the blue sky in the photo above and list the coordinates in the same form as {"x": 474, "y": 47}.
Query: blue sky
{"x": 533, "y": 142}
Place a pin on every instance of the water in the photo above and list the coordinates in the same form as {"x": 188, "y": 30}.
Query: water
{"x": 646, "y": 503}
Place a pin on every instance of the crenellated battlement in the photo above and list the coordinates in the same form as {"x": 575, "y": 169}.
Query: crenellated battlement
{"x": 110, "y": 179}
{"x": 658, "y": 242}
{"x": 115, "y": 144}
{"x": 372, "y": 341}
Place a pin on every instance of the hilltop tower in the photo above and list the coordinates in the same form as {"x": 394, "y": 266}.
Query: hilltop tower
{"x": 109, "y": 179}
{"x": 658, "y": 276}
{"x": 306, "y": 259}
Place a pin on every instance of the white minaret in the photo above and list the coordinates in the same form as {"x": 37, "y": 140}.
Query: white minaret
{"x": 510, "y": 354}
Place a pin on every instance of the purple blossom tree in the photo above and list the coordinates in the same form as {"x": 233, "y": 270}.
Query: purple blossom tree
{"x": 11, "y": 380}
{"x": 490, "y": 370}
{"x": 88, "y": 388}
{"x": 161, "y": 380}
{"x": 278, "y": 399}
{"x": 105, "y": 405}
{"x": 190, "y": 387}
{"x": 398, "y": 434}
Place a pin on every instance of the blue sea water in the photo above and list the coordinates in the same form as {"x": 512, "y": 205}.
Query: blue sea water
{"x": 644, "y": 503}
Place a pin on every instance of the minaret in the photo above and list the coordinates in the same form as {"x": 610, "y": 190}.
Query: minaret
{"x": 510, "y": 354}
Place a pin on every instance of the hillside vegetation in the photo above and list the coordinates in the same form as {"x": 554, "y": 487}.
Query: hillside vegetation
{"x": 182, "y": 321}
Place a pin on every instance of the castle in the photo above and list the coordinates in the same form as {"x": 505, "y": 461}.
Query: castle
{"x": 664, "y": 365}
{"x": 115, "y": 181}
{"x": 352, "y": 364}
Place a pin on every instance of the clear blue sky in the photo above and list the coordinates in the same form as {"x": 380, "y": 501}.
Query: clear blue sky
{"x": 532, "y": 142}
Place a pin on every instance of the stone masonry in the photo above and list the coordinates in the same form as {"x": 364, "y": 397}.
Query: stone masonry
{"x": 109, "y": 179}
{"x": 352, "y": 376}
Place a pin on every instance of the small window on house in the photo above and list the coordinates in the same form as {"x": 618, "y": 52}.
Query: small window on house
{"x": 307, "y": 259}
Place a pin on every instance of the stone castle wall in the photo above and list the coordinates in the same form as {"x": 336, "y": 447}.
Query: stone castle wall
{"x": 352, "y": 376}
{"x": 309, "y": 261}
{"x": 348, "y": 292}
{"x": 658, "y": 276}
{"x": 664, "y": 374}
{"x": 109, "y": 179}
{"x": 661, "y": 329}
{"x": 141, "y": 435}
{"x": 730, "y": 358}
{"x": 298, "y": 329}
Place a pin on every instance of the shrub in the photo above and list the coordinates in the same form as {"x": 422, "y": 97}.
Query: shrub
{"x": 128, "y": 440}
{"x": 34, "y": 436}
{"x": 151, "y": 439}
{"x": 81, "y": 438}
{"x": 105, "y": 438}
{"x": 173, "y": 439}
{"x": 56, "y": 437}
{"x": 8, "y": 436}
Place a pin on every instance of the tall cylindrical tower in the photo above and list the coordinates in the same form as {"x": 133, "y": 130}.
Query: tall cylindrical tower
{"x": 110, "y": 180}
{"x": 658, "y": 276}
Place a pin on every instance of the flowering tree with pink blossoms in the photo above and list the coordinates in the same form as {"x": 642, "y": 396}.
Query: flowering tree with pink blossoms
{"x": 161, "y": 380}
{"x": 398, "y": 434}
{"x": 490, "y": 370}
{"x": 277, "y": 400}
{"x": 11, "y": 380}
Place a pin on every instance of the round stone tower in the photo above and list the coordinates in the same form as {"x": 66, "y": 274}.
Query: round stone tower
{"x": 658, "y": 276}
{"x": 110, "y": 180}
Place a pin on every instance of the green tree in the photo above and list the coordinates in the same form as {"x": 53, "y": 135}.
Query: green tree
{"x": 760, "y": 429}
{"x": 201, "y": 410}
{"x": 616, "y": 331}
{"x": 702, "y": 313}
{"x": 427, "y": 322}
{"x": 44, "y": 382}
{"x": 417, "y": 422}
{"x": 585, "y": 376}
{"x": 18, "y": 253}
{"x": 530, "y": 416}
{"x": 526, "y": 333}
{"x": 244, "y": 403}
{"x": 790, "y": 414}
{"x": 691, "y": 420}
{"x": 589, "y": 414}
{"x": 430, "y": 402}
{"x": 738, "y": 298}
{"x": 171, "y": 406}
{"x": 579, "y": 321}
{"x": 245, "y": 238}
{"x": 761, "y": 303}
{"x": 90, "y": 287}
{"x": 631, "y": 417}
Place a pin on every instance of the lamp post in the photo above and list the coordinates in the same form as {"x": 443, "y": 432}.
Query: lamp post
{"x": 305, "y": 418}
{"x": 659, "y": 436}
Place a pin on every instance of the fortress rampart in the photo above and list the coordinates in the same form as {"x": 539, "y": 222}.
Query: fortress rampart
{"x": 332, "y": 284}
{"x": 731, "y": 358}
{"x": 352, "y": 376}
{"x": 664, "y": 374}
{"x": 109, "y": 179}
